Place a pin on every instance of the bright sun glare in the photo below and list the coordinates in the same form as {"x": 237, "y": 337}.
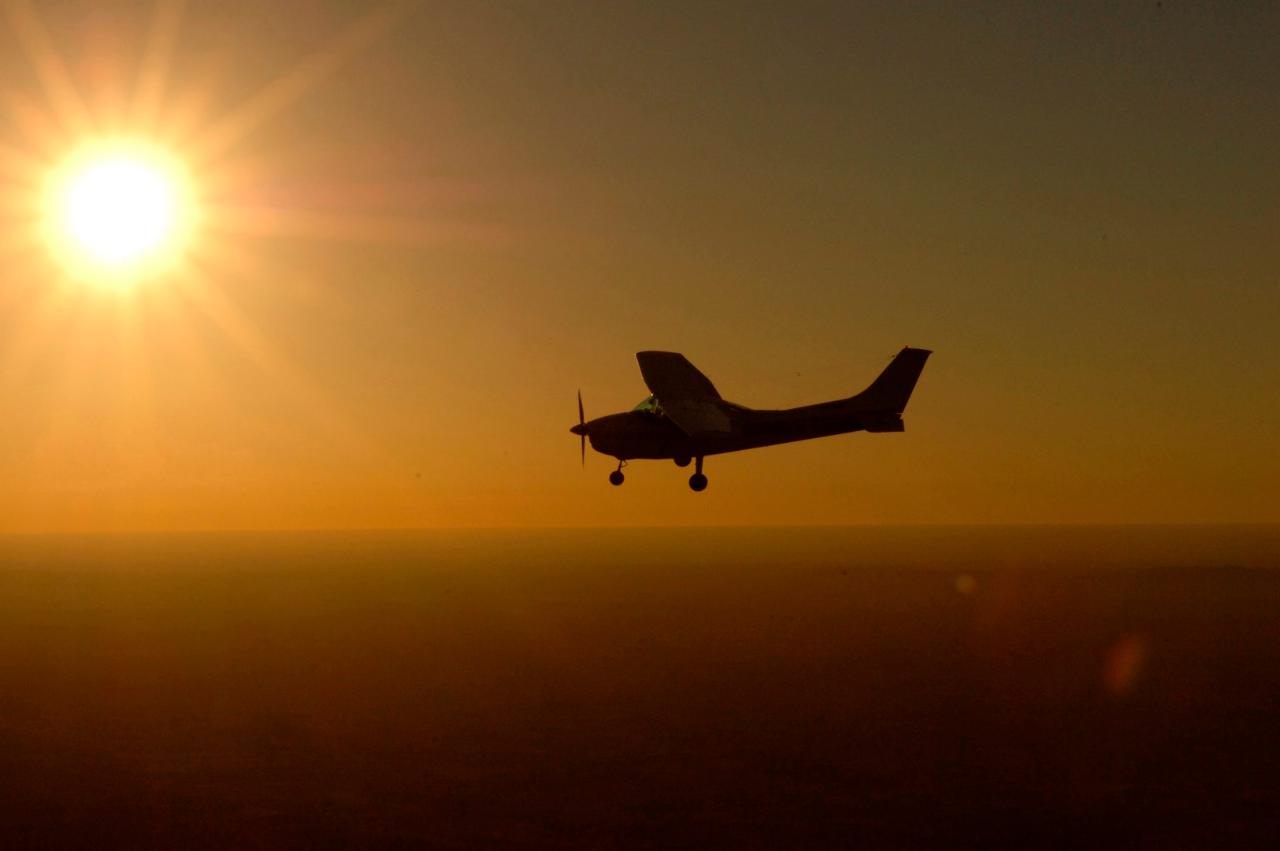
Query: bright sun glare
{"x": 118, "y": 211}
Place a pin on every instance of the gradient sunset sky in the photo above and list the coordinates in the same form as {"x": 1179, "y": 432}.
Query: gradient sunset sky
{"x": 426, "y": 226}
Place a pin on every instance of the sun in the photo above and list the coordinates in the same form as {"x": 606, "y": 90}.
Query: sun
{"x": 117, "y": 211}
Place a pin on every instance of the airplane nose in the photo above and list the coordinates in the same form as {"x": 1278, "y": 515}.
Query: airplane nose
{"x": 579, "y": 429}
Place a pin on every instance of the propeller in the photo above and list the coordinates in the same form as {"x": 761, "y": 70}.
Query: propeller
{"x": 582, "y": 435}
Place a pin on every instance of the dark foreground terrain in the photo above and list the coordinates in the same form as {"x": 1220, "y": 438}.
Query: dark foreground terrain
{"x": 991, "y": 688}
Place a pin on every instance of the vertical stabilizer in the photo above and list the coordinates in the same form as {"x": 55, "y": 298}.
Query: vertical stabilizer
{"x": 891, "y": 390}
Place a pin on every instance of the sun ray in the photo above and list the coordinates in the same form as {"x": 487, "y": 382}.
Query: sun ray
{"x": 311, "y": 401}
{"x": 58, "y": 361}
{"x": 88, "y": 325}
{"x": 198, "y": 289}
{"x": 67, "y": 104}
{"x": 157, "y": 59}
{"x": 137, "y": 379}
{"x": 285, "y": 90}
{"x": 71, "y": 339}
{"x": 18, "y": 166}
{"x": 36, "y": 126}
{"x": 95, "y": 425}
{"x": 231, "y": 259}
{"x": 20, "y": 176}
{"x": 258, "y": 220}
{"x": 24, "y": 345}
{"x": 188, "y": 110}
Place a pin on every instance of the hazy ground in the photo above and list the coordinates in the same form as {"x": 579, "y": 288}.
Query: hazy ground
{"x": 875, "y": 688}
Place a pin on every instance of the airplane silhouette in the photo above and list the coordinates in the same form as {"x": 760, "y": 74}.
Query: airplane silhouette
{"x": 686, "y": 419}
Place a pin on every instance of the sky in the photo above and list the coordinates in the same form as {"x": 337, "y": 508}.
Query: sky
{"x": 424, "y": 227}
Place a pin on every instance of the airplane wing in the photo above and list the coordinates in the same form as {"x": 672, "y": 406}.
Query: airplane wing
{"x": 698, "y": 418}
{"x": 688, "y": 397}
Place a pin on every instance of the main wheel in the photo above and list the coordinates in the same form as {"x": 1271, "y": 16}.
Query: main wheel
{"x": 698, "y": 482}
{"x": 682, "y": 460}
{"x": 616, "y": 477}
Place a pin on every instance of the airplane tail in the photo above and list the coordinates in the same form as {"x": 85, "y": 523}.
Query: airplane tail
{"x": 890, "y": 391}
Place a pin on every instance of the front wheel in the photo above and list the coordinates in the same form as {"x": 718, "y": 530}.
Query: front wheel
{"x": 615, "y": 478}
{"x": 698, "y": 482}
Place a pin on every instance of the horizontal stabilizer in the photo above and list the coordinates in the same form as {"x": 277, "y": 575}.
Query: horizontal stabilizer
{"x": 876, "y": 423}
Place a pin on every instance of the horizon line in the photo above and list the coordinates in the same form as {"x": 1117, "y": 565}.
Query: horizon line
{"x": 355, "y": 530}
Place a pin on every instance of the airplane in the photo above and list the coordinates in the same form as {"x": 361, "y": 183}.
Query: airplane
{"x": 685, "y": 419}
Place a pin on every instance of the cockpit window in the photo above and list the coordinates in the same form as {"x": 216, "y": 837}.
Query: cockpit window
{"x": 650, "y": 405}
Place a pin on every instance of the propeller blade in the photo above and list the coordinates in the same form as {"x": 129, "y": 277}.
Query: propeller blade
{"x": 582, "y": 438}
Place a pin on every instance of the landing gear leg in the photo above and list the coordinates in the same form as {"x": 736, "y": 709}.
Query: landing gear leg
{"x": 616, "y": 478}
{"x": 698, "y": 481}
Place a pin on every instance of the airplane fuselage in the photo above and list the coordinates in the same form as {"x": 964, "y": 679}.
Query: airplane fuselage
{"x": 647, "y": 435}
{"x": 686, "y": 418}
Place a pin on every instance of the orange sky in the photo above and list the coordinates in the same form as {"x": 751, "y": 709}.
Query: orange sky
{"x": 430, "y": 227}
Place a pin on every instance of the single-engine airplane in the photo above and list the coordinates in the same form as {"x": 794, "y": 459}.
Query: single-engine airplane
{"x": 685, "y": 419}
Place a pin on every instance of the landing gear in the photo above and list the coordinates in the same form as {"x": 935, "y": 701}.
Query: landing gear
{"x": 616, "y": 478}
{"x": 698, "y": 481}
{"x": 682, "y": 460}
